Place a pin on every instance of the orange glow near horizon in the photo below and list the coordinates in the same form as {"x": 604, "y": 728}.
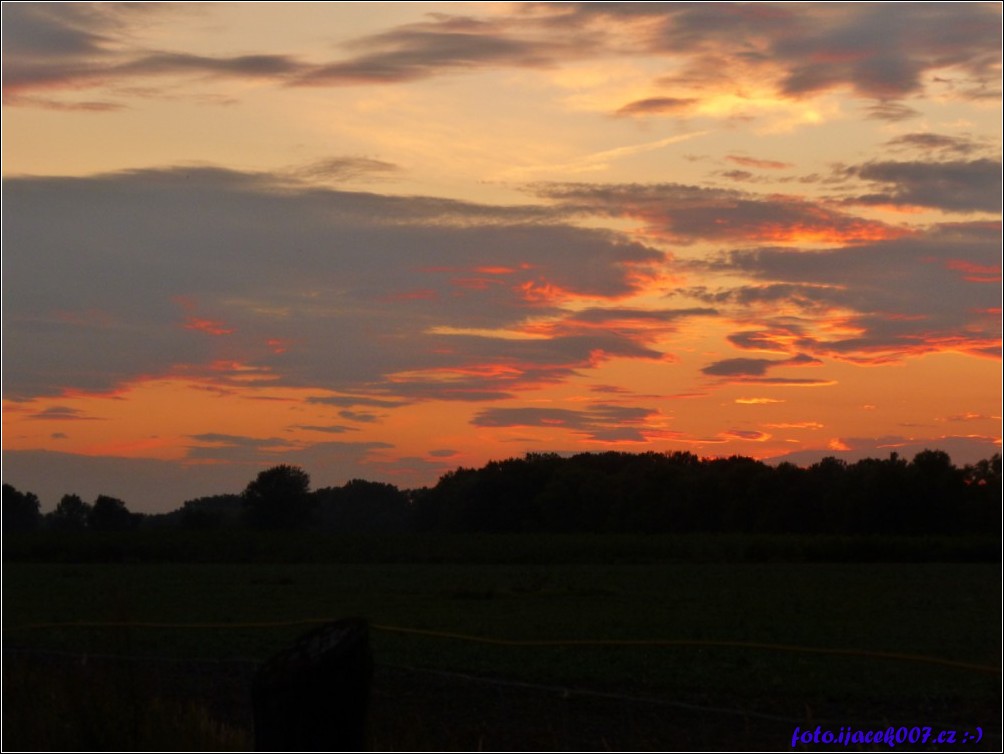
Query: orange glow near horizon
{"x": 143, "y": 420}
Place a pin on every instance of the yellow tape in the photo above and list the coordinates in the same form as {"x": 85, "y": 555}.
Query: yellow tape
{"x": 689, "y": 643}
{"x": 545, "y": 642}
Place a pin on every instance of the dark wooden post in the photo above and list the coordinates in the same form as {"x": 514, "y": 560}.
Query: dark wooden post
{"x": 314, "y": 696}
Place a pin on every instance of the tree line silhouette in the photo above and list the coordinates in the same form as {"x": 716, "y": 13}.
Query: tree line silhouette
{"x": 589, "y": 492}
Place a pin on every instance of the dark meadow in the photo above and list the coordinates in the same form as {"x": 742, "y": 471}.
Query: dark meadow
{"x": 599, "y": 601}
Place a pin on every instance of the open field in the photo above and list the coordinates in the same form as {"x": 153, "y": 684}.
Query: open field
{"x": 943, "y": 611}
{"x": 241, "y": 545}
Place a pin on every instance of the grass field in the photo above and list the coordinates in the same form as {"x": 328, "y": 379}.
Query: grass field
{"x": 947, "y": 611}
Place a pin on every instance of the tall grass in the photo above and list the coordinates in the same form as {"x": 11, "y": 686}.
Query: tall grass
{"x": 81, "y": 705}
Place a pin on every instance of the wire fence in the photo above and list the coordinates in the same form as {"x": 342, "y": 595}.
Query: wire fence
{"x": 250, "y": 664}
{"x": 695, "y": 643}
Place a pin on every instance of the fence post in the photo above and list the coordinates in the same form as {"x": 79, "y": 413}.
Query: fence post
{"x": 314, "y": 696}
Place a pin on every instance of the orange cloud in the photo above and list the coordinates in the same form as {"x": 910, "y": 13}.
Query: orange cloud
{"x": 856, "y": 231}
{"x": 751, "y": 162}
{"x": 686, "y": 213}
{"x": 543, "y": 292}
{"x": 975, "y": 273}
{"x": 657, "y": 106}
{"x": 195, "y": 322}
{"x": 209, "y": 326}
{"x": 420, "y": 294}
{"x": 747, "y": 435}
{"x": 794, "y": 425}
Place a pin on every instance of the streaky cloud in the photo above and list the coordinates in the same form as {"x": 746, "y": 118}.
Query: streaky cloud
{"x": 290, "y": 280}
{"x": 598, "y": 422}
{"x": 932, "y": 291}
{"x": 657, "y": 106}
{"x": 686, "y": 213}
{"x": 931, "y": 142}
{"x": 879, "y": 52}
{"x": 954, "y": 186}
{"x": 745, "y": 367}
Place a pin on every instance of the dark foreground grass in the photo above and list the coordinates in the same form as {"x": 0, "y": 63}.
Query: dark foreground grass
{"x": 63, "y": 703}
{"x": 240, "y": 545}
{"x": 193, "y": 706}
{"x": 942, "y": 611}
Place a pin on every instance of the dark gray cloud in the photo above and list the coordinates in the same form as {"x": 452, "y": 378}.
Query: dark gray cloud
{"x": 359, "y": 416}
{"x": 496, "y": 369}
{"x": 61, "y": 413}
{"x": 956, "y": 186}
{"x": 238, "y": 449}
{"x": 931, "y": 291}
{"x": 444, "y": 453}
{"x": 686, "y": 213}
{"x": 882, "y": 52}
{"x": 195, "y": 269}
{"x": 599, "y": 422}
{"x": 191, "y": 270}
{"x": 50, "y": 46}
{"x": 878, "y": 51}
{"x": 657, "y": 106}
{"x": 354, "y": 400}
{"x": 87, "y": 106}
{"x": 891, "y": 111}
{"x": 333, "y": 429}
{"x": 243, "y": 66}
{"x": 811, "y": 298}
{"x": 751, "y": 435}
{"x": 346, "y": 169}
{"x": 606, "y": 316}
{"x": 637, "y": 325}
{"x": 930, "y": 142}
{"x": 740, "y": 175}
{"x": 261, "y": 452}
{"x": 43, "y": 31}
{"x": 743, "y": 367}
{"x": 422, "y": 50}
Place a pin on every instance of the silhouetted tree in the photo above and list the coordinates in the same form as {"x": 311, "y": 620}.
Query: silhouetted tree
{"x": 109, "y": 514}
{"x": 575, "y": 498}
{"x": 70, "y": 515}
{"x": 279, "y": 498}
{"x": 985, "y": 473}
{"x": 935, "y": 486}
{"x": 213, "y": 512}
{"x": 21, "y": 510}
{"x": 680, "y": 492}
{"x": 982, "y": 507}
{"x": 362, "y": 506}
{"x": 611, "y": 491}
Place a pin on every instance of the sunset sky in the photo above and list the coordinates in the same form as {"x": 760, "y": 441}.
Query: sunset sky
{"x": 382, "y": 241}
